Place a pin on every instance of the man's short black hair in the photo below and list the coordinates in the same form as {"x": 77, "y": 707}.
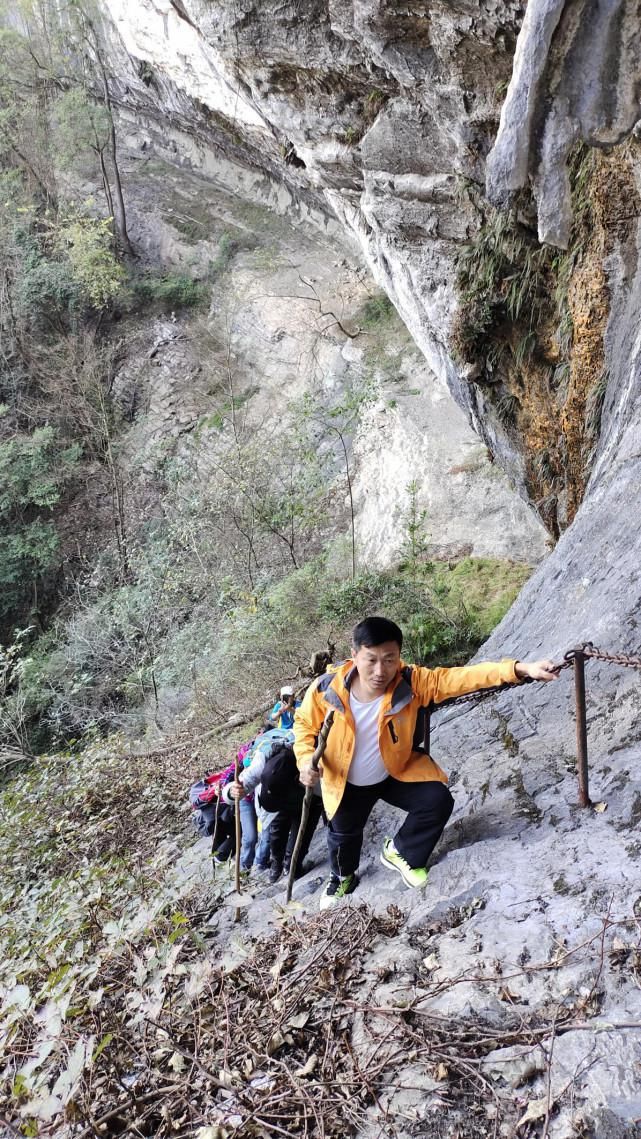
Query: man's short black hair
{"x": 375, "y": 631}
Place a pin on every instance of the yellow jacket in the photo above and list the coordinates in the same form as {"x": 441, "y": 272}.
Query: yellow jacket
{"x": 411, "y": 689}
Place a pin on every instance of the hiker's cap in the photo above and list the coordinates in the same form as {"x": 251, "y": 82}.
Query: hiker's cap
{"x": 287, "y": 690}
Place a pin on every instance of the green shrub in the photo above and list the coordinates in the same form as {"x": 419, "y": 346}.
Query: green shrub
{"x": 434, "y": 631}
{"x": 169, "y": 290}
{"x": 375, "y": 312}
{"x": 228, "y": 246}
{"x": 62, "y": 265}
{"x": 46, "y": 291}
{"x": 33, "y": 472}
{"x": 503, "y": 275}
{"x": 86, "y": 243}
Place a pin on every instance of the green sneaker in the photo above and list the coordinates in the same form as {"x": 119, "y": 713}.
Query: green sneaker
{"x": 413, "y": 877}
{"x": 336, "y": 889}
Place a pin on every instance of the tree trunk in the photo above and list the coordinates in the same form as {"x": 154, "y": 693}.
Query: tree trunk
{"x": 119, "y": 214}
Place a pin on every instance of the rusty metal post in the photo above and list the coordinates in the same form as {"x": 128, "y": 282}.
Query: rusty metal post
{"x": 581, "y": 728}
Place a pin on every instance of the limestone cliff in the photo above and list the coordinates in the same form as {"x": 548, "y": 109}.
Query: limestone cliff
{"x": 378, "y": 121}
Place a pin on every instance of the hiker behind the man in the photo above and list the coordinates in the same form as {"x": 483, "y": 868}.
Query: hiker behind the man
{"x": 248, "y": 820}
{"x": 282, "y": 714}
{"x": 212, "y": 816}
{"x": 273, "y": 771}
{"x": 253, "y": 763}
{"x": 374, "y": 748}
{"x": 281, "y": 791}
{"x": 263, "y": 817}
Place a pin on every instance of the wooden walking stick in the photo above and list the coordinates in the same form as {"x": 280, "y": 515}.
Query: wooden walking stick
{"x": 307, "y": 801}
{"x": 213, "y": 837}
{"x": 237, "y": 823}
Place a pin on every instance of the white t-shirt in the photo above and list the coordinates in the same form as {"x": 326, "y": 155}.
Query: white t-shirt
{"x": 366, "y": 767}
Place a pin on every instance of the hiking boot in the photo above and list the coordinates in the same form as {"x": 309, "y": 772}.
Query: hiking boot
{"x": 275, "y": 871}
{"x": 336, "y": 889}
{"x": 414, "y": 877}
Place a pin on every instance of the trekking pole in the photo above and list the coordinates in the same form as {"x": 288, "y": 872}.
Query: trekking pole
{"x": 307, "y": 801}
{"x": 214, "y": 836}
{"x": 237, "y": 828}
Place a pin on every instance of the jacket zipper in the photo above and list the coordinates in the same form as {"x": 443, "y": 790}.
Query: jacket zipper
{"x": 392, "y": 733}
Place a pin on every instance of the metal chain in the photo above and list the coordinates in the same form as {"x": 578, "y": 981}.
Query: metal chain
{"x": 586, "y": 650}
{"x": 628, "y": 660}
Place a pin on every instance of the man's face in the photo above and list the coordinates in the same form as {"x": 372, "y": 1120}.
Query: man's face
{"x": 377, "y": 665}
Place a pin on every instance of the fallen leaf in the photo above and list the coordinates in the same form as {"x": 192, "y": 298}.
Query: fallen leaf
{"x": 431, "y": 961}
{"x": 300, "y": 1020}
{"x": 18, "y": 997}
{"x": 104, "y": 1043}
{"x": 536, "y": 1109}
{"x": 308, "y": 1067}
{"x": 506, "y": 994}
{"x": 276, "y": 968}
{"x": 275, "y": 1042}
{"x": 600, "y": 807}
{"x": 78, "y": 1059}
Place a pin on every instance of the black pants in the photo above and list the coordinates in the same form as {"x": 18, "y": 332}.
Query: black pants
{"x": 223, "y": 841}
{"x": 284, "y": 829}
{"x": 429, "y": 806}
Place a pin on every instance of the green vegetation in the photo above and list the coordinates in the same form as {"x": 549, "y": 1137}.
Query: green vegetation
{"x": 373, "y": 102}
{"x": 519, "y": 304}
{"x": 446, "y": 615}
{"x": 184, "y": 627}
{"x": 375, "y": 313}
{"x": 61, "y": 264}
{"x": 168, "y": 290}
{"x": 415, "y": 546}
{"x": 33, "y": 472}
{"x": 507, "y": 280}
{"x": 502, "y": 277}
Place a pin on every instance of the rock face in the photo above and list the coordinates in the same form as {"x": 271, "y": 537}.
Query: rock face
{"x": 348, "y": 111}
{"x": 575, "y": 78}
{"x": 360, "y": 118}
{"x": 385, "y": 120}
{"x": 289, "y": 303}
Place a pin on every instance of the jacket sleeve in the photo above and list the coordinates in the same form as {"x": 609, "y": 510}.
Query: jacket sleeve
{"x": 253, "y": 774}
{"x": 433, "y": 685}
{"x": 308, "y": 721}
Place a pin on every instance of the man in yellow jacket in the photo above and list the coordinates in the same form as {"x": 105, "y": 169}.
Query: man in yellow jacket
{"x": 374, "y": 748}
